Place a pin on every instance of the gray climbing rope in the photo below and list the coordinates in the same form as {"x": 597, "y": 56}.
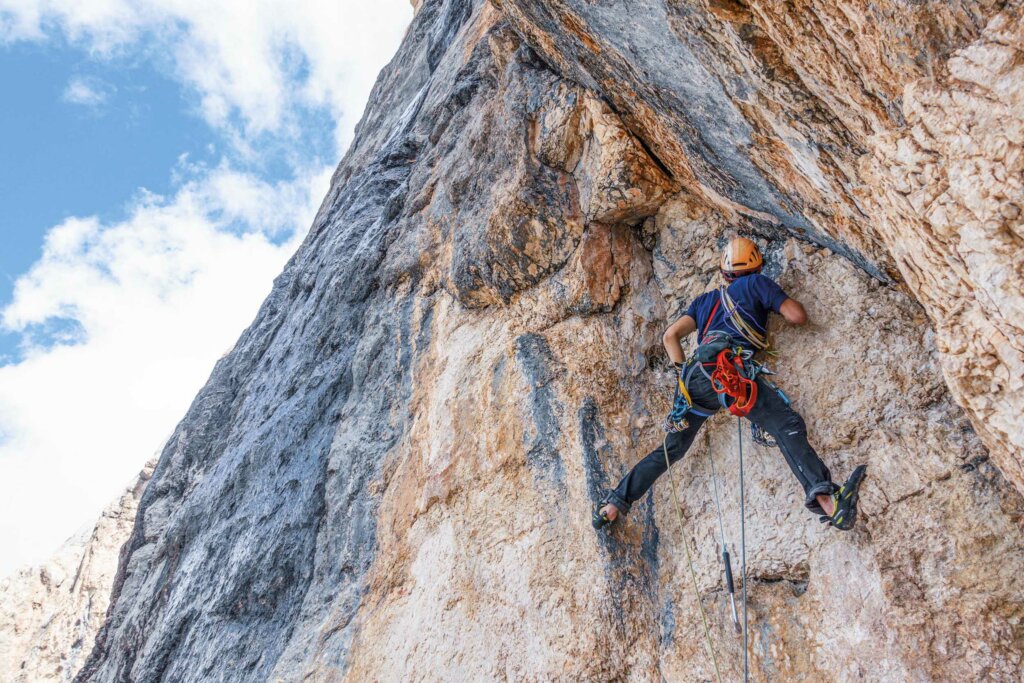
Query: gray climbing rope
{"x": 689, "y": 562}
{"x": 725, "y": 544}
{"x": 743, "y": 555}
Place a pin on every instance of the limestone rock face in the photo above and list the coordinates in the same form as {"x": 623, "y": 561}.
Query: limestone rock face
{"x": 49, "y": 615}
{"x": 949, "y": 201}
{"x": 390, "y": 476}
{"x": 889, "y": 132}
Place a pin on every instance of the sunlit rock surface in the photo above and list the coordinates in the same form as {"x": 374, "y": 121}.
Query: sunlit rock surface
{"x": 390, "y": 477}
{"x": 49, "y": 615}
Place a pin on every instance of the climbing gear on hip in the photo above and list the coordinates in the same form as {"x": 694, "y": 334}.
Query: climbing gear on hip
{"x": 732, "y": 378}
{"x": 761, "y": 437}
{"x": 682, "y": 403}
{"x": 845, "y": 501}
{"x": 740, "y": 257}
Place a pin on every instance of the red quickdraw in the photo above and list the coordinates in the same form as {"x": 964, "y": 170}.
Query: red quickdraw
{"x": 728, "y": 378}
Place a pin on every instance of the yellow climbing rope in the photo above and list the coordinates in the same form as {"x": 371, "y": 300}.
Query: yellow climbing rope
{"x": 758, "y": 340}
{"x": 689, "y": 562}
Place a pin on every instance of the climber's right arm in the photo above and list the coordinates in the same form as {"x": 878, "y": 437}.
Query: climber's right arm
{"x": 674, "y": 336}
{"x": 793, "y": 311}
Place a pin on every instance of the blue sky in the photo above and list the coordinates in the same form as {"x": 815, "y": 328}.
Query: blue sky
{"x": 159, "y": 163}
{"x": 63, "y": 159}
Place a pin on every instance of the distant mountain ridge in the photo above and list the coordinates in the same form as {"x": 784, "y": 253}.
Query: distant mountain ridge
{"x": 49, "y": 614}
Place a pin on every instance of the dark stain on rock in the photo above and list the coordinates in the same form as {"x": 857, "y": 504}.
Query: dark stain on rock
{"x": 540, "y": 370}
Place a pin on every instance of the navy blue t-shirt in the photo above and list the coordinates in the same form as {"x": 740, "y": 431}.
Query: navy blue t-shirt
{"x": 755, "y": 296}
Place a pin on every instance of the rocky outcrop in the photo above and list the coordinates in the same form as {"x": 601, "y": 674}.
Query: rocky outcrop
{"x": 950, "y": 194}
{"x": 390, "y": 476}
{"x": 49, "y": 615}
{"x": 889, "y": 132}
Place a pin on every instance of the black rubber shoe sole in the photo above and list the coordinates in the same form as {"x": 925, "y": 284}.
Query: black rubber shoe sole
{"x": 598, "y": 520}
{"x": 846, "y": 511}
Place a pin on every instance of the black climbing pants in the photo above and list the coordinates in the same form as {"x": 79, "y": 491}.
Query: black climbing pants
{"x": 771, "y": 412}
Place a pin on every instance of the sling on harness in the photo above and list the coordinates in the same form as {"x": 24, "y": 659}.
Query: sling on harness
{"x": 757, "y": 339}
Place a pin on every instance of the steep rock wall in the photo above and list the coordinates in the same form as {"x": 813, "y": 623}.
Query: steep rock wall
{"x": 50, "y": 614}
{"x": 390, "y": 476}
{"x": 890, "y": 132}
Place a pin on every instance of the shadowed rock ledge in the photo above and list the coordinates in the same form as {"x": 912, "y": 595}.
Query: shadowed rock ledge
{"x": 390, "y": 476}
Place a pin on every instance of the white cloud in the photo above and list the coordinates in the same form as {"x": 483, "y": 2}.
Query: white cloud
{"x": 88, "y": 92}
{"x": 155, "y": 299}
{"x": 260, "y": 62}
{"x": 123, "y": 321}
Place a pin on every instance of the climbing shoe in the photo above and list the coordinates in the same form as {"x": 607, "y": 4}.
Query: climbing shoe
{"x": 599, "y": 520}
{"x": 845, "y": 515}
{"x": 762, "y": 437}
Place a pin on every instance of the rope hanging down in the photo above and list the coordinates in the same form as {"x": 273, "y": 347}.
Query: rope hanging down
{"x": 725, "y": 544}
{"x": 743, "y": 555}
{"x": 689, "y": 562}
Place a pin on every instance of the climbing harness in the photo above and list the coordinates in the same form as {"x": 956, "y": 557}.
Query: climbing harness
{"x": 689, "y": 562}
{"x": 734, "y": 371}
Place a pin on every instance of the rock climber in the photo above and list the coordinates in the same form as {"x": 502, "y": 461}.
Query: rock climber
{"x": 732, "y": 326}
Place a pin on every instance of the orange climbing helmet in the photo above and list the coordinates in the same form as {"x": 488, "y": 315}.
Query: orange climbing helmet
{"x": 740, "y": 257}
